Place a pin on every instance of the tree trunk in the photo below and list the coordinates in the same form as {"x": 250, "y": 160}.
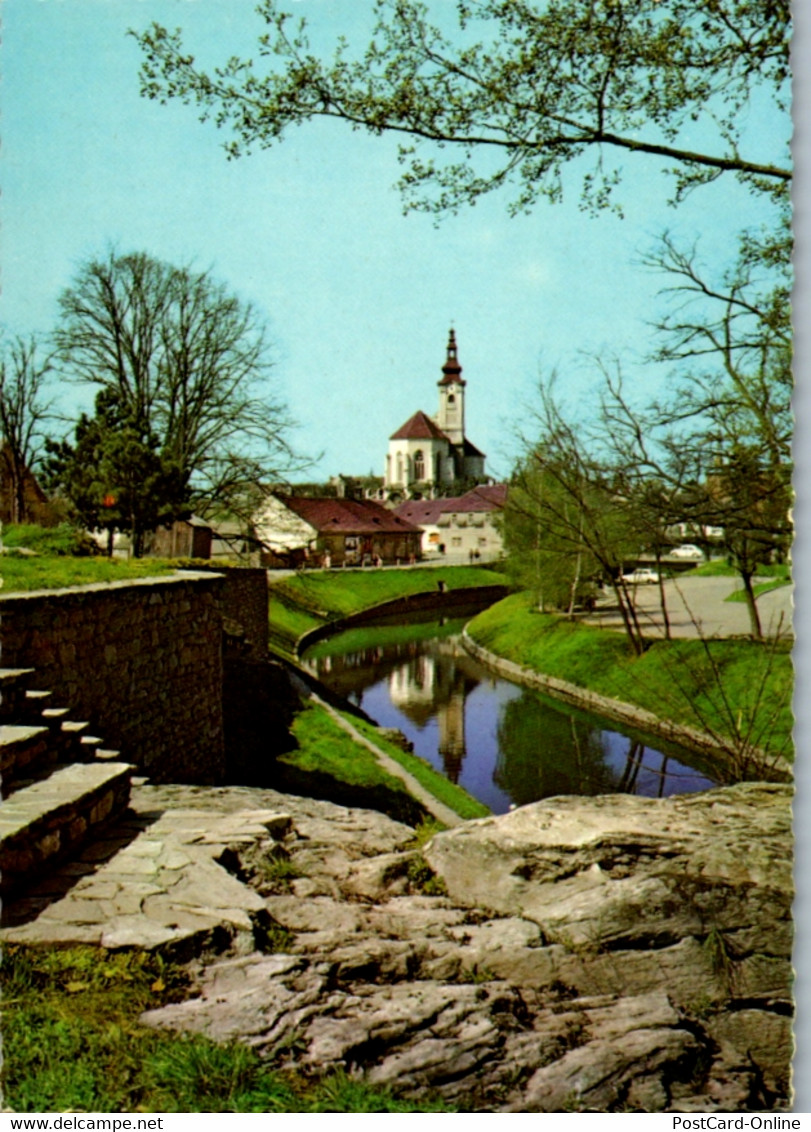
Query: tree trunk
{"x": 751, "y": 604}
{"x": 624, "y": 603}
{"x": 662, "y": 601}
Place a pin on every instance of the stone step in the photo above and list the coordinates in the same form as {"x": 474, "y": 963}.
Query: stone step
{"x": 23, "y": 750}
{"x": 13, "y": 683}
{"x": 47, "y": 821}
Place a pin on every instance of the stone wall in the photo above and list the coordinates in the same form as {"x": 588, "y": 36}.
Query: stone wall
{"x": 243, "y": 602}
{"x": 141, "y": 660}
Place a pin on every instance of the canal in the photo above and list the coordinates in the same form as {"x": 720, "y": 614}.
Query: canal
{"x": 505, "y": 744}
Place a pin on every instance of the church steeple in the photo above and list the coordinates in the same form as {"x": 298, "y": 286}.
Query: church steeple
{"x": 452, "y": 371}
{"x": 451, "y": 415}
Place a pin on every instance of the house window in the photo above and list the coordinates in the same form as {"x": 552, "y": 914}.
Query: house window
{"x": 419, "y": 465}
{"x": 456, "y": 541}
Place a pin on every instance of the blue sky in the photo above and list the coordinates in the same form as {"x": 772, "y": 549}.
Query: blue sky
{"x": 358, "y": 297}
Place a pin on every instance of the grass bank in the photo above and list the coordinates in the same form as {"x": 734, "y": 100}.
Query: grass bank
{"x": 53, "y": 573}
{"x": 72, "y": 1042}
{"x": 737, "y": 690}
{"x": 309, "y": 600}
{"x": 329, "y": 763}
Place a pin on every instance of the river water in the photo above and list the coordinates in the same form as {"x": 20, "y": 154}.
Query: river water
{"x": 505, "y": 744}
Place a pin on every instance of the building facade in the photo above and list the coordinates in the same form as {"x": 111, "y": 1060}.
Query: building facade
{"x": 429, "y": 455}
{"x": 336, "y": 532}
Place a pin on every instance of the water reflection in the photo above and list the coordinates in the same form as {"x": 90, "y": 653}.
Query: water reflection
{"x": 505, "y": 744}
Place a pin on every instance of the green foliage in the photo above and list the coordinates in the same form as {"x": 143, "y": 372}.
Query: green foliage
{"x": 64, "y": 539}
{"x": 307, "y": 600}
{"x": 422, "y": 877}
{"x": 114, "y": 475}
{"x": 762, "y": 588}
{"x": 72, "y": 1043}
{"x": 22, "y": 574}
{"x": 185, "y": 365}
{"x": 535, "y": 87}
{"x": 453, "y": 796}
{"x": 326, "y": 748}
{"x": 739, "y": 691}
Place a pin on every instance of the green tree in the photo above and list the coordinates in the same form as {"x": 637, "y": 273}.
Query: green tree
{"x": 519, "y": 91}
{"x": 114, "y": 475}
{"x": 188, "y": 362}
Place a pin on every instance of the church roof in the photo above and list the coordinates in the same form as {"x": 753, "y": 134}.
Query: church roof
{"x": 351, "y": 516}
{"x": 470, "y": 449}
{"x": 418, "y": 427}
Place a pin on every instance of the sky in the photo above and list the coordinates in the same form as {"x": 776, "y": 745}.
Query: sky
{"x": 358, "y": 297}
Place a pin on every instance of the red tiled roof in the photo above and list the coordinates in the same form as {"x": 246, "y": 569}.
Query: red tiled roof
{"x": 493, "y": 493}
{"x": 424, "y": 512}
{"x": 351, "y": 516}
{"x": 418, "y": 427}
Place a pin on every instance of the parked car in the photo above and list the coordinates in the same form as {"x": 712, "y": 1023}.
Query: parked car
{"x": 643, "y": 575}
{"x": 686, "y": 550}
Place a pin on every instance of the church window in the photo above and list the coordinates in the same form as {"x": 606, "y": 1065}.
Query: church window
{"x": 451, "y": 399}
{"x": 419, "y": 465}
{"x": 399, "y": 467}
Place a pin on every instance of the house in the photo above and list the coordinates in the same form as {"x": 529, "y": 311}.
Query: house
{"x": 185, "y": 538}
{"x": 336, "y": 532}
{"x": 430, "y": 454}
{"x": 462, "y": 526}
{"x": 22, "y": 500}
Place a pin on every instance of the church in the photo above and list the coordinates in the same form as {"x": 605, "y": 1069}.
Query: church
{"x": 431, "y": 456}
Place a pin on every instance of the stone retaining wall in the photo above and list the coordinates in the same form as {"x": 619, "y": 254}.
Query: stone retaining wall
{"x": 141, "y": 660}
{"x": 243, "y": 600}
{"x": 450, "y": 603}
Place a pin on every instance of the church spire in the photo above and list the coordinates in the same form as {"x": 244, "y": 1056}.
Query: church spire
{"x": 451, "y": 371}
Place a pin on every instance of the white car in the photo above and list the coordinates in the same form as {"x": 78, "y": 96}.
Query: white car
{"x": 686, "y": 550}
{"x": 643, "y": 575}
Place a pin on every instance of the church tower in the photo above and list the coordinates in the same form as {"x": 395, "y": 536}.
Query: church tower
{"x": 451, "y": 416}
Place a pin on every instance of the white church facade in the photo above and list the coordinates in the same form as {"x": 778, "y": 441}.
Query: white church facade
{"x": 429, "y": 456}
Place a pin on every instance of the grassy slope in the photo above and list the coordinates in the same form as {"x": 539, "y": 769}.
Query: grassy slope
{"x": 303, "y": 602}
{"x": 326, "y": 749}
{"x": 457, "y": 799}
{"x": 47, "y": 573}
{"x": 674, "y": 679}
{"x": 72, "y": 1043}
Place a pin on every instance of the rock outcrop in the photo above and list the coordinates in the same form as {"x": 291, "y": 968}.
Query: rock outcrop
{"x": 612, "y": 953}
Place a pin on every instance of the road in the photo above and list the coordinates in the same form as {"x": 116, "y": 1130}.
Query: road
{"x": 696, "y": 607}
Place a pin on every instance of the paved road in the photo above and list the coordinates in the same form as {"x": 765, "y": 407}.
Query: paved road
{"x": 697, "y": 606}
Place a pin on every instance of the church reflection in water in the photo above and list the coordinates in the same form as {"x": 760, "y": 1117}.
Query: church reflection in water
{"x": 505, "y": 744}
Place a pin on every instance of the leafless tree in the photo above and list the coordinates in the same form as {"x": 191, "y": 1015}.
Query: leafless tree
{"x": 24, "y": 409}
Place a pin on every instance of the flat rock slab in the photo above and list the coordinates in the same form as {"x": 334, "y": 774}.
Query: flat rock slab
{"x": 590, "y": 954}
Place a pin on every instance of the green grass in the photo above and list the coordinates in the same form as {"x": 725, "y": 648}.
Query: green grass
{"x": 381, "y": 636}
{"x": 760, "y": 588}
{"x": 48, "y": 573}
{"x": 673, "y": 679}
{"x": 720, "y": 568}
{"x": 72, "y": 1042}
{"x": 63, "y": 539}
{"x": 457, "y": 799}
{"x": 308, "y": 600}
{"x": 326, "y": 748}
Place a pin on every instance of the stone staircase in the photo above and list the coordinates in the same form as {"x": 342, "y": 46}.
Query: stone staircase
{"x": 59, "y": 784}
